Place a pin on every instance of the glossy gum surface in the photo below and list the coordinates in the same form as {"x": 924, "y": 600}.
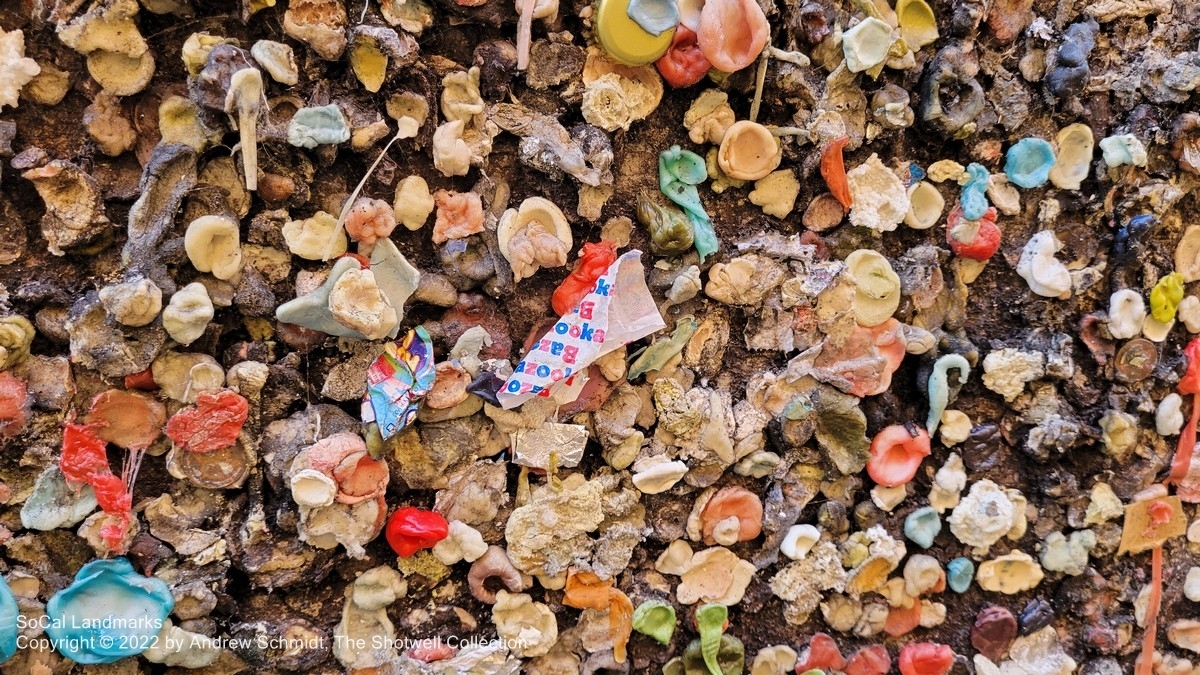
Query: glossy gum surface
{"x": 683, "y": 64}
{"x": 107, "y": 593}
{"x": 410, "y": 530}
{"x": 732, "y": 33}
{"x": 896, "y": 454}
{"x": 833, "y": 170}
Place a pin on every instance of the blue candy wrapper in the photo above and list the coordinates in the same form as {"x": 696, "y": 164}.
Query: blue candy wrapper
{"x": 397, "y": 381}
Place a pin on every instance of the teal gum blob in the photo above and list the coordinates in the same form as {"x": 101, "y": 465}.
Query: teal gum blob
{"x": 108, "y": 613}
{"x": 8, "y": 621}
{"x": 654, "y": 16}
{"x": 312, "y": 310}
{"x": 679, "y": 172}
{"x": 324, "y": 125}
{"x": 974, "y": 193}
{"x": 1029, "y": 162}
{"x": 959, "y": 573}
{"x": 922, "y": 526}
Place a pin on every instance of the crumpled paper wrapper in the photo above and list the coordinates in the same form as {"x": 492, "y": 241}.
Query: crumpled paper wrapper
{"x": 397, "y": 380}
{"x": 618, "y": 311}
{"x": 533, "y": 447}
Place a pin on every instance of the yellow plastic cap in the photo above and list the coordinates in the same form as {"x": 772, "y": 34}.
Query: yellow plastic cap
{"x": 624, "y": 39}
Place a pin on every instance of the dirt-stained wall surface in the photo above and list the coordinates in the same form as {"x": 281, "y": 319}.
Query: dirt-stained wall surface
{"x": 686, "y": 336}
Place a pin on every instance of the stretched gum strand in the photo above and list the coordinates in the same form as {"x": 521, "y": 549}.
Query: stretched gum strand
{"x": 939, "y": 388}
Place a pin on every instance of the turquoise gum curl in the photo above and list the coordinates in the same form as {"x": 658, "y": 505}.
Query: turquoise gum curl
{"x": 974, "y": 193}
{"x": 679, "y": 172}
{"x": 939, "y": 387}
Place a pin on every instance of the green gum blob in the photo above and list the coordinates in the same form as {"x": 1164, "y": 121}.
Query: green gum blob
{"x": 679, "y": 172}
{"x": 923, "y": 526}
{"x": 731, "y": 658}
{"x": 1166, "y": 296}
{"x": 374, "y": 440}
{"x": 798, "y": 409}
{"x": 671, "y": 231}
{"x": 658, "y": 354}
{"x": 710, "y": 622}
{"x": 656, "y": 619}
{"x": 324, "y": 125}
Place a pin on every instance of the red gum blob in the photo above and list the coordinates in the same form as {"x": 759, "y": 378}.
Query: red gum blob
{"x": 143, "y": 380}
{"x": 329, "y": 453}
{"x": 833, "y": 170}
{"x": 683, "y": 65}
{"x": 594, "y": 260}
{"x": 873, "y": 660}
{"x": 431, "y": 652}
{"x": 926, "y": 658}
{"x": 214, "y": 424}
{"x": 823, "y": 653}
{"x": 986, "y": 241}
{"x": 903, "y": 620}
{"x": 1188, "y": 384}
{"x": 889, "y": 340}
{"x": 1144, "y": 665}
{"x": 733, "y": 501}
{"x": 116, "y": 501}
{"x": 364, "y": 263}
{"x": 110, "y": 493}
{"x": 85, "y": 460}
{"x": 810, "y": 237}
{"x": 83, "y": 453}
{"x": 14, "y": 404}
{"x": 344, "y": 458}
{"x": 732, "y": 33}
{"x": 1101, "y": 348}
{"x": 896, "y": 455}
{"x": 994, "y": 630}
{"x": 1159, "y": 512}
{"x": 411, "y": 529}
